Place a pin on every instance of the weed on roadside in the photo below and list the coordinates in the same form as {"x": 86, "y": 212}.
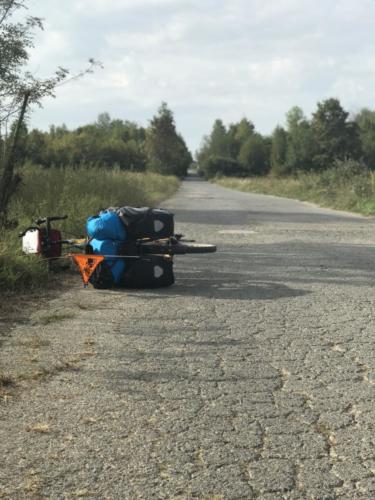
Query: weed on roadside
{"x": 345, "y": 186}
{"x": 78, "y": 193}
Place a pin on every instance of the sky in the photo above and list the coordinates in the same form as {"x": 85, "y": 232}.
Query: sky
{"x": 207, "y": 59}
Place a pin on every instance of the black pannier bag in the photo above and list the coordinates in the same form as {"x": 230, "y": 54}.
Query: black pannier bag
{"x": 152, "y": 271}
{"x": 102, "y": 277}
{"x": 153, "y": 223}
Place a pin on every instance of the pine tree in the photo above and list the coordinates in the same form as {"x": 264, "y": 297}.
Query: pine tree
{"x": 278, "y": 150}
{"x": 336, "y": 137}
{"x": 166, "y": 150}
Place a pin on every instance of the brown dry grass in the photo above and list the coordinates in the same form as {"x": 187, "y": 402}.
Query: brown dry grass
{"x": 41, "y": 428}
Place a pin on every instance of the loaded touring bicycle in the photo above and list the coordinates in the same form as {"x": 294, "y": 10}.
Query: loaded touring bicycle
{"x": 125, "y": 247}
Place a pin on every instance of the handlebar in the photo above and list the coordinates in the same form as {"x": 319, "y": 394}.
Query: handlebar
{"x": 50, "y": 219}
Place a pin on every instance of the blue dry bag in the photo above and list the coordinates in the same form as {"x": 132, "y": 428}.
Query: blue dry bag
{"x": 109, "y": 247}
{"x": 106, "y": 226}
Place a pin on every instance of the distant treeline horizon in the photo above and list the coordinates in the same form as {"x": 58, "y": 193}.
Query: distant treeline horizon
{"x": 237, "y": 149}
{"x": 307, "y": 145}
{"x": 107, "y": 143}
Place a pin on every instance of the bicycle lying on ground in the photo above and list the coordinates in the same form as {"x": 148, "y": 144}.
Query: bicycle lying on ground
{"x": 142, "y": 261}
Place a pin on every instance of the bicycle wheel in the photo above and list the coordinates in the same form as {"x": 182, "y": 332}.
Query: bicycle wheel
{"x": 177, "y": 248}
{"x": 195, "y": 248}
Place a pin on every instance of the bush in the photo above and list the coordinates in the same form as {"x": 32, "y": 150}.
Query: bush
{"x": 221, "y": 166}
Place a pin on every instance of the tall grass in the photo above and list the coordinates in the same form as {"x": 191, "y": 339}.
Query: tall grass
{"x": 77, "y": 193}
{"x": 347, "y": 186}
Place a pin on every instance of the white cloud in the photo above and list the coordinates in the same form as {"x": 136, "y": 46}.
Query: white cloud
{"x": 105, "y": 6}
{"x": 207, "y": 59}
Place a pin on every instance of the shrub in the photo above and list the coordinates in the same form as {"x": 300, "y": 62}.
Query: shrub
{"x": 221, "y": 166}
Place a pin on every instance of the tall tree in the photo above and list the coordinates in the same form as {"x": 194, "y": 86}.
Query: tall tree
{"x": 336, "y": 137}
{"x": 366, "y": 123}
{"x": 300, "y": 144}
{"x": 237, "y": 135}
{"x": 279, "y": 147}
{"x": 18, "y": 88}
{"x": 254, "y": 156}
{"x": 166, "y": 150}
{"x": 218, "y": 141}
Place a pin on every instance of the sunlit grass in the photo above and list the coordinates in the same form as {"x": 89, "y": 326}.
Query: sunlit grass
{"x": 331, "y": 188}
{"x": 78, "y": 193}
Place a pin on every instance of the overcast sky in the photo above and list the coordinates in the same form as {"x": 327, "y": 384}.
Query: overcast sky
{"x": 207, "y": 59}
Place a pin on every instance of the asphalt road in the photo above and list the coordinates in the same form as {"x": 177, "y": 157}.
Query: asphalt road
{"x": 252, "y": 377}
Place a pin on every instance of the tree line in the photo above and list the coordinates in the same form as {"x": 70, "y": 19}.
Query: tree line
{"x": 314, "y": 144}
{"x": 159, "y": 147}
{"x": 106, "y": 143}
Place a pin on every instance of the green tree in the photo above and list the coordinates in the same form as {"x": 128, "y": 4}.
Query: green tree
{"x": 220, "y": 165}
{"x": 21, "y": 151}
{"x": 237, "y": 135}
{"x": 245, "y": 129}
{"x": 36, "y": 147}
{"x": 104, "y": 143}
{"x": 279, "y": 147}
{"x": 18, "y": 89}
{"x": 336, "y": 137}
{"x": 166, "y": 150}
{"x": 104, "y": 122}
{"x": 366, "y": 124}
{"x": 254, "y": 155}
{"x": 300, "y": 144}
{"x": 218, "y": 140}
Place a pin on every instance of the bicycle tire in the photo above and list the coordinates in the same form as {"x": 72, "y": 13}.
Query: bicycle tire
{"x": 178, "y": 248}
{"x": 197, "y": 247}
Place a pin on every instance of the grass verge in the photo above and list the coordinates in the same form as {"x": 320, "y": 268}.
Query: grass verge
{"x": 78, "y": 193}
{"x": 354, "y": 192}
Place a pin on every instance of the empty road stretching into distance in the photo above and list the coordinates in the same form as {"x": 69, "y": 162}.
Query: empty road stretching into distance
{"x": 252, "y": 377}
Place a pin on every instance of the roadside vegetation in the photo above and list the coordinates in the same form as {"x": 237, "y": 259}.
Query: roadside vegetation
{"x": 75, "y": 172}
{"x": 78, "y": 193}
{"x": 328, "y": 158}
{"x": 342, "y": 187}
{"x": 109, "y": 142}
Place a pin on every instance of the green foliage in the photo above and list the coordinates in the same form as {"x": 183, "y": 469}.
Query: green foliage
{"x": 279, "y": 147}
{"x": 306, "y": 145}
{"x": 348, "y": 185}
{"x": 219, "y": 145}
{"x": 21, "y": 151}
{"x": 19, "y": 88}
{"x": 366, "y": 124}
{"x": 335, "y": 136}
{"x": 16, "y": 39}
{"x": 254, "y": 156}
{"x": 106, "y": 142}
{"x": 165, "y": 149}
{"x": 237, "y": 151}
{"x": 238, "y": 134}
{"x": 220, "y": 165}
{"x": 77, "y": 193}
{"x": 300, "y": 142}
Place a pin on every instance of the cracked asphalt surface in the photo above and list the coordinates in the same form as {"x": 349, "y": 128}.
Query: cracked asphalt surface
{"x": 252, "y": 377}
